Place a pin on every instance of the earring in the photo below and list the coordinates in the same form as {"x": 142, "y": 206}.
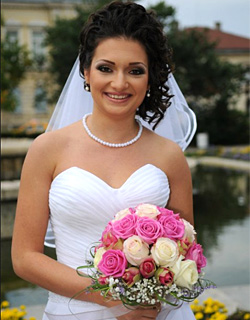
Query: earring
{"x": 148, "y": 93}
{"x": 86, "y": 86}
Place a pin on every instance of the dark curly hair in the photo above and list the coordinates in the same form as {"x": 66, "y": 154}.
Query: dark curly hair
{"x": 132, "y": 21}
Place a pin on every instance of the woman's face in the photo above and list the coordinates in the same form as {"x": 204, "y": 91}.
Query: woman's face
{"x": 118, "y": 76}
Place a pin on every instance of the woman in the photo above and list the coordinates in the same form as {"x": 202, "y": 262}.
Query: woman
{"x": 80, "y": 175}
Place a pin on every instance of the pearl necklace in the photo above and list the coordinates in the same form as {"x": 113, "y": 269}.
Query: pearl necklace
{"x": 108, "y": 144}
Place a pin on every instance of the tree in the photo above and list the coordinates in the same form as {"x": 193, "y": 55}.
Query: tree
{"x": 63, "y": 42}
{"x": 209, "y": 84}
{"x": 14, "y": 63}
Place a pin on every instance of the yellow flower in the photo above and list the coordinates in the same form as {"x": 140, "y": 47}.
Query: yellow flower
{"x": 22, "y": 307}
{"x": 209, "y": 301}
{"x": 32, "y": 318}
{"x": 246, "y": 316}
{"x": 199, "y": 316}
{"x": 208, "y": 309}
{"x": 4, "y": 304}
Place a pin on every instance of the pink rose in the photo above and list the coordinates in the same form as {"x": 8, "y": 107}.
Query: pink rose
{"x": 173, "y": 226}
{"x": 147, "y": 268}
{"x": 164, "y": 276}
{"x": 165, "y": 212}
{"x": 131, "y": 275}
{"x": 113, "y": 263}
{"x": 125, "y": 227}
{"x": 103, "y": 280}
{"x": 149, "y": 230}
{"x": 195, "y": 253}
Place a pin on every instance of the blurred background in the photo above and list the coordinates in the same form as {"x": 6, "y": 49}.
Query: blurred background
{"x": 211, "y": 63}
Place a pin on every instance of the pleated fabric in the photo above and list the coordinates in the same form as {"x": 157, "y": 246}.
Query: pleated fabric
{"x": 81, "y": 204}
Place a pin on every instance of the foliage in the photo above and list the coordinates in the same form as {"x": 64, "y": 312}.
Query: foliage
{"x": 14, "y": 63}
{"x": 209, "y": 84}
{"x": 63, "y": 42}
{"x": 236, "y": 153}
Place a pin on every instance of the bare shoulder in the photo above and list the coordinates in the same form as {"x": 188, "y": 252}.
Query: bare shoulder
{"x": 47, "y": 147}
{"x": 168, "y": 151}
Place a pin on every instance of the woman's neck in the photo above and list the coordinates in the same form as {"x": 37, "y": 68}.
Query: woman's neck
{"x": 115, "y": 129}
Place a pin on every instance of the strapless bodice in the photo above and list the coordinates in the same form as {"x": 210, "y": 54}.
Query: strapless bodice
{"x": 81, "y": 205}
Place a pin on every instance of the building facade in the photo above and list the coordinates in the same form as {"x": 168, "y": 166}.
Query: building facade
{"x": 234, "y": 49}
{"x": 25, "y": 22}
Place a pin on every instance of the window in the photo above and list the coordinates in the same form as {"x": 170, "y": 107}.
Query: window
{"x": 17, "y": 96}
{"x": 12, "y": 35}
{"x": 40, "y": 100}
{"x": 38, "y": 43}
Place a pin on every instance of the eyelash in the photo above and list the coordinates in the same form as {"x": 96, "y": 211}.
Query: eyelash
{"x": 104, "y": 69}
{"x": 136, "y": 71}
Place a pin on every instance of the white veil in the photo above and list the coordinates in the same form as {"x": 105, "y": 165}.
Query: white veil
{"x": 178, "y": 124}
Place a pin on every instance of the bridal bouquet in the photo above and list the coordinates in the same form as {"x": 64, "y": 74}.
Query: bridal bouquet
{"x": 146, "y": 255}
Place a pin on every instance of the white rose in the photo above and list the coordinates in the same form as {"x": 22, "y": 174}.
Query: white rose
{"x": 98, "y": 256}
{"x": 135, "y": 250}
{"x": 121, "y": 214}
{"x": 189, "y": 231}
{"x": 185, "y": 273}
{"x": 165, "y": 252}
{"x": 147, "y": 210}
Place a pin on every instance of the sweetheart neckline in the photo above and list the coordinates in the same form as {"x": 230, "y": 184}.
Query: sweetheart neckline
{"x": 104, "y": 182}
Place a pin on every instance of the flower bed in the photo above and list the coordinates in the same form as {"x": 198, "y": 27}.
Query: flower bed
{"x": 215, "y": 310}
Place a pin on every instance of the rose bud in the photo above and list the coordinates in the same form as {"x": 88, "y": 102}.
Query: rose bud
{"x": 103, "y": 280}
{"x": 131, "y": 275}
{"x": 164, "y": 276}
{"x": 147, "y": 268}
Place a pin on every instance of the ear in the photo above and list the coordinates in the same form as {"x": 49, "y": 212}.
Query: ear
{"x": 86, "y": 75}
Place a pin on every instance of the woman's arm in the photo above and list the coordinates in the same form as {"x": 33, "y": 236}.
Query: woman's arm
{"x": 31, "y": 221}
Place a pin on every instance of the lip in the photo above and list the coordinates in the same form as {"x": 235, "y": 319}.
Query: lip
{"x": 118, "y": 97}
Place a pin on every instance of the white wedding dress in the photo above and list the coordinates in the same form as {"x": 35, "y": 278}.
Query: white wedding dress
{"x": 81, "y": 204}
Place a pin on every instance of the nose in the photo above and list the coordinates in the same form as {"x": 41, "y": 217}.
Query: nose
{"x": 119, "y": 82}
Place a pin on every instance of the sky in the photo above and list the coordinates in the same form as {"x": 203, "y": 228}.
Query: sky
{"x": 234, "y": 15}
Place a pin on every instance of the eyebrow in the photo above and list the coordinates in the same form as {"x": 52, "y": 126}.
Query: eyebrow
{"x": 111, "y": 62}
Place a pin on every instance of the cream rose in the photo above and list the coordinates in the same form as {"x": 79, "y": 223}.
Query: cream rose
{"x": 185, "y": 273}
{"x": 135, "y": 250}
{"x": 189, "y": 231}
{"x": 121, "y": 214}
{"x": 98, "y": 256}
{"x": 147, "y": 210}
{"x": 165, "y": 252}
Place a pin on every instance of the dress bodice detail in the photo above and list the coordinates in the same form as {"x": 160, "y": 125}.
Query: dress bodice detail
{"x": 81, "y": 205}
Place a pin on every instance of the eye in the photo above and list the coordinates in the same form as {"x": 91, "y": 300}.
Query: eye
{"x": 137, "y": 71}
{"x": 104, "y": 69}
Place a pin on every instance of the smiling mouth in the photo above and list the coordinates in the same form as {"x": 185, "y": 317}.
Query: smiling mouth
{"x": 118, "y": 96}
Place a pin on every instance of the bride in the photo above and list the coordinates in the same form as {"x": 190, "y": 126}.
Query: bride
{"x": 78, "y": 176}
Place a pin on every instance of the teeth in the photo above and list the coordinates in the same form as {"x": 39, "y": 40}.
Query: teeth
{"x": 114, "y": 96}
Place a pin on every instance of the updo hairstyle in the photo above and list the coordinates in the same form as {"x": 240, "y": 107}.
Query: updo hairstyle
{"x": 131, "y": 21}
